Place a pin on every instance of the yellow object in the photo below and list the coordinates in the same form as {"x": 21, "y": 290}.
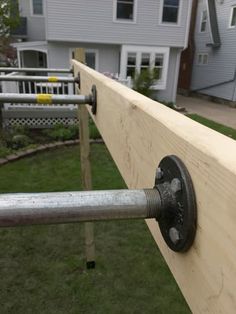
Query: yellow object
{"x": 52, "y": 79}
{"x": 44, "y": 99}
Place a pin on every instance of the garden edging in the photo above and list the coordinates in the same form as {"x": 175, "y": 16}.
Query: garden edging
{"x": 32, "y": 151}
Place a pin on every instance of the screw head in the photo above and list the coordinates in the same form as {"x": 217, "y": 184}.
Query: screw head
{"x": 174, "y": 235}
{"x": 159, "y": 174}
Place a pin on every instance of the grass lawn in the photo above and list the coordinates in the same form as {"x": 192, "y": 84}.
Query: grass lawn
{"x": 214, "y": 125}
{"x": 42, "y": 268}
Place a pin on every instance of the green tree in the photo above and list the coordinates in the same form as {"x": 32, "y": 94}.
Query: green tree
{"x": 9, "y": 19}
{"x": 9, "y": 16}
{"x": 144, "y": 81}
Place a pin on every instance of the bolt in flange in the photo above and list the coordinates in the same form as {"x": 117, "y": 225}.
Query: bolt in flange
{"x": 93, "y": 95}
{"x": 93, "y": 101}
{"x": 159, "y": 173}
{"x": 174, "y": 235}
{"x": 178, "y": 217}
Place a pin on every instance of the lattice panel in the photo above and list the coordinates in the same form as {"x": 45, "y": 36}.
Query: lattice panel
{"x": 39, "y": 122}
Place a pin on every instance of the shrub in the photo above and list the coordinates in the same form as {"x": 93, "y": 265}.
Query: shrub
{"x": 19, "y": 141}
{"x": 6, "y": 137}
{"x": 61, "y": 133}
{"x": 74, "y": 130}
{"x": 15, "y": 137}
{"x": 4, "y": 151}
{"x": 20, "y": 129}
{"x": 144, "y": 81}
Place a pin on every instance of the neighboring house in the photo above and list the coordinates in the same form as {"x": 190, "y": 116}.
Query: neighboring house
{"x": 214, "y": 63}
{"x": 31, "y": 34}
{"x": 119, "y": 36}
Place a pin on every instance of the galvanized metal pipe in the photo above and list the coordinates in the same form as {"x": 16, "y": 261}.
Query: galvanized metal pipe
{"x": 36, "y": 70}
{"x": 44, "y": 99}
{"x": 68, "y": 207}
{"x": 50, "y": 79}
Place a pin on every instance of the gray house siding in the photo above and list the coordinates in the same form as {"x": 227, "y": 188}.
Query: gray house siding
{"x": 92, "y": 21}
{"x": 109, "y": 60}
{"x": 234, "y": 97}
{"x": 35, "y": 24}
{"x": 225, "y": 91}
{"x": 108, "y": 55}
{"x": 91, "y": 25}
{"x": 220, "y": 70}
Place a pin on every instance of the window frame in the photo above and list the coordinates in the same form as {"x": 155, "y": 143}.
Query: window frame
{"x": 32, "y": 9}
{"x": 133, "y": 21}
{"x": 133, "y": 66}
{"x": 153, "y": 51}
{"x": 231, "y": 17}
{"x": 201, "y": 21}
{"x": 202, "y": 55}
{"x": 174, "y": 24}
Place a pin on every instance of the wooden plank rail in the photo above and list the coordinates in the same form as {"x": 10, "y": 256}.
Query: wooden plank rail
{"x": 139, "y": 132}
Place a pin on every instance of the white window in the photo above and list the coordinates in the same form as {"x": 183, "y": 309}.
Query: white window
{"x": 138, "y": 62}
{"x": 131, "y": 64}
{"x": 145, "y": 62}
{"x": 203, "y": 24}
{"x": 170, "y": 12}
{"x": 137, "y": 59}
{"x": 233, "y": 17}
{"x": 37, "y": 7}
{"x": 199, "y": 58}
{"x": 124, "y": 11}
{"x": 158, "y": 64}
{"x": 202, "y": 58}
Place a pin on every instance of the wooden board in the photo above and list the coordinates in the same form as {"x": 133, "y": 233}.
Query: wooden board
{"x": 139, "y": 133}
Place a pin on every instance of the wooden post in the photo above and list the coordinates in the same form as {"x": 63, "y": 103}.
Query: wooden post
{"x": 86, "y": 168}
{"x": 1, "y": 118}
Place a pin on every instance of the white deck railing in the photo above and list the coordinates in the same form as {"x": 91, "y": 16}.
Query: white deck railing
{"x": 38, "y": 116}
{"x": 33, "y": 115}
